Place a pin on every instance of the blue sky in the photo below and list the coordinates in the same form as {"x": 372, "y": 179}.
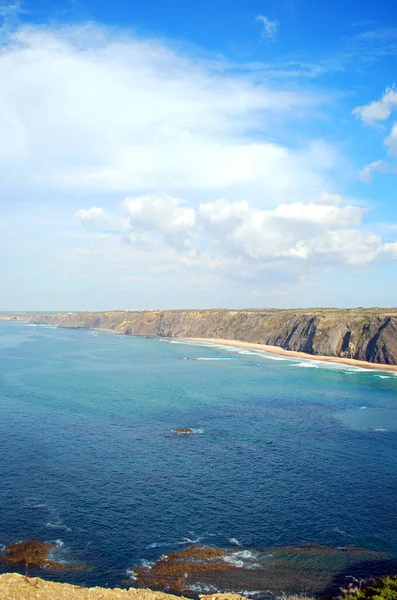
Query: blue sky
{"x": 169, "y": 155}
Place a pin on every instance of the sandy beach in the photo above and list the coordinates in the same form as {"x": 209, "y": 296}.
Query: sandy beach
{"x": 291, "y": 354}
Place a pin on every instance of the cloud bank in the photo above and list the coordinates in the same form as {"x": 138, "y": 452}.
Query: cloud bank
{"x": 240, "y": 240}
{"x": 85, "y": 109}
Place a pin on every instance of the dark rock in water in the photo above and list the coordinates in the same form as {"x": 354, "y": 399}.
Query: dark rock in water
{"x": 171, "y": 571}
{"x": 310, "y": 568}
{"x": 183, "y": 430}
{"x": 35, "y": 554}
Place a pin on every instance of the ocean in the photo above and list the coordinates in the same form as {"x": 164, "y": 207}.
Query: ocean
{"x": 291, "y": 467}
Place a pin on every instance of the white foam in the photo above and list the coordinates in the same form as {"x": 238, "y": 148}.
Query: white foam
{"x": 231, "y": 560}
{"x": 57, "y": 526}
{"x": 187, "y": 540}
{"x": 181, "y": 342}
{"x": 341, "y": 531}
{"x": 56, "y": 522}
{"x": 211, "y": 358}
{"x": 245, "y": 554}
{"x": 58, "y": 552}
{"x": 203, "y": 587}
{"x": 130, "y": 573}
{"x": 306, "y": 365}
{"x": 148, "y": 564}
{"x": 253, "y": 593}
{"x": 235, "y": 542}
{"x": 158, "y": 545}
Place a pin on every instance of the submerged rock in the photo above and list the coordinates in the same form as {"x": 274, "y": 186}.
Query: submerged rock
{"x": 310, "y": 568}
{"x": 171, "y": 571}
{"x": 183, "y": 430}
{"x": 35, "y": 554}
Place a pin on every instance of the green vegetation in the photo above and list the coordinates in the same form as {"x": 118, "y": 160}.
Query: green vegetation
{"x": 379, "y": 589}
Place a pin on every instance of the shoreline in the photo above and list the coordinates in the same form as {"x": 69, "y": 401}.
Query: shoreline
{"x": 293, "y": 354}
{"x": 253, "y": 346}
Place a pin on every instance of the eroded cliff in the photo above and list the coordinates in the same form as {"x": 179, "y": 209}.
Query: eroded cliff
{"x": 362, "y": 334}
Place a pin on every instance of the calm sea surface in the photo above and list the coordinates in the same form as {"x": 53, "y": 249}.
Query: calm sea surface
{"x": 285, "y": 452}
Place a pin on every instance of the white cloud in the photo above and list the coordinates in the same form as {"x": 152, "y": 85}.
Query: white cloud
{"x": 380, "y": 110}
{"x": 239, "y": 240}
{"x": 115, "y": 113}
{"x": 381, "y": 166}
{"x": 270, "y": 28}
{"x": 391, "y": 141}
{"x": 91, "y": 215}
{"x": 159, "y": 214}
{"x": 89, "y": 113}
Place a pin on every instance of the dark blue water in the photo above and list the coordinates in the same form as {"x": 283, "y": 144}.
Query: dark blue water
{"x": 285, "y": 451}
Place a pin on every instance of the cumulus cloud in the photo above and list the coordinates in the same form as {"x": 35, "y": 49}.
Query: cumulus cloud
{"x": 91, "y": 215}
{"x": 391, "y": 141}
{"x": 381, "y": 166}
{"x": 379, "y": 110}
{"x": 224, "y": 235}
{"x": 269, "y": 28}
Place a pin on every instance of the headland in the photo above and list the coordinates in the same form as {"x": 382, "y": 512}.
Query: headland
{"x": 368, "y": 335}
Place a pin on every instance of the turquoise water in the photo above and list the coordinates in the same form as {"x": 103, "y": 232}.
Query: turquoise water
{"x": 285, "y": 451}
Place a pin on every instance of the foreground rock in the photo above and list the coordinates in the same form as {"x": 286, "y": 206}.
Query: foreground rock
{"x": 18, "y": 587}
{"x": 35, "y": 554}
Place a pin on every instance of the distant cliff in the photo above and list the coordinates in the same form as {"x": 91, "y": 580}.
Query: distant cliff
{"x": 363, "y": 334}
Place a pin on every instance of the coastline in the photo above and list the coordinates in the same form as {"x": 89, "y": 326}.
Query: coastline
{"x": 292, "y": 354}
{"x": 260, "y": 347}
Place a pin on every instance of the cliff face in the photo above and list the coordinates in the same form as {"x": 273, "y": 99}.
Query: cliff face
{"x": 363, "y": 334}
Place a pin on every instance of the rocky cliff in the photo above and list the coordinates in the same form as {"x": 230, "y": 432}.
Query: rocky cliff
{"x": 362, "y": 334}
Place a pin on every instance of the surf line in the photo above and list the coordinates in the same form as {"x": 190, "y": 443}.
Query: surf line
{"x": 292, "y": 354}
